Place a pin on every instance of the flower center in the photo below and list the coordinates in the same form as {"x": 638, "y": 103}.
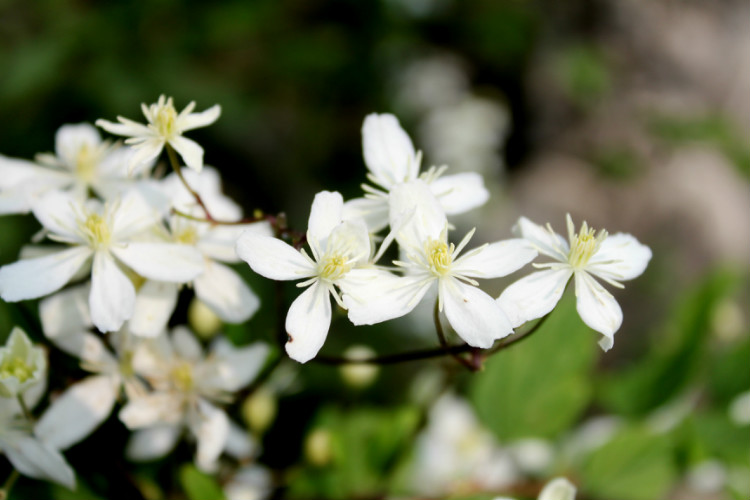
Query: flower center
{"x": 165, "y": 118}
{"x": 182, "y": 375}
{"x": 584, "y": 245}
{"x": 439, "y": 256}
{"x": 333, "y": 267}
{"x": 86, "y": 162}
{"x": 188, "y": 236}
{"x": 96, "y": 230}
{"x": 15, "y": 367}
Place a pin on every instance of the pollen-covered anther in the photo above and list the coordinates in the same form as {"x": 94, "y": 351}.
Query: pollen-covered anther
{"x": 87, "y": 160}
{"x": 96, "y": 230}
{"x": 182, "y": 376}
{"x": 584, "y": 245}
{"x": 333, "y": 267}
{"x": 14, "y": 367}
{"x": 439, "y": 256}
{"x": 164, "y": 118}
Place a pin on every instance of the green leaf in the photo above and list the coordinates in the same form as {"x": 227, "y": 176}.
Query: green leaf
{"x": 634, "y": 465}
{"x": 199, "y": 486}
{"x": 540, "y": 386}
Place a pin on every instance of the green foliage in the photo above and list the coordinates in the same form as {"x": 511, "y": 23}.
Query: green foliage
{"x": 584, "y": 75}
{"x": 542, "y": 385}
{"x": 199, "y": 486}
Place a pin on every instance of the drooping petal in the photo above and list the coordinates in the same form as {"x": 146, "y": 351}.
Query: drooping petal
{"x": 373, "y": 211}
{"x": 414, "y": 202}
{"x": 460, "y": 193}
{"x": 474, "y": 315}
{"x": 191, "y": 151}
{"x": 235, "y": 367}
{"x": 273, "y": 258}
{"x": 307, "y": 323}
{"x": 66, "y": 312}
{"x": 162, "y": 261}
{"x": 388, "y": 150}
{"x": 325, "y": 214}
{"x": 39, "y": 460}
{"x": 112, "y": 296}
{"x": 197, "y": 120}
{"x": 152, "y": 443}
{"x": 620, "y": 257}
{"x": 154, "y": 305}
{"x": 548, "y": 243}
{"x": 373, "y": 296}
{"x": 78, "y": 411}
{"x": 33, "y": 278}
{"x": 210, "y": 426}
{"x": 496, "y": 260}
{"x": 534, "y": 296}
{"x": 222, "y": 290}
{"x": 597, "y": 308}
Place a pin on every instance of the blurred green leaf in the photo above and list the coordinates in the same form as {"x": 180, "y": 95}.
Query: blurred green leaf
{"x": 540, "y": 386}
{"x": 583, "y": 73}
{"x": 634, "y": 465}
{"x": 715, "y": 436}
{"x": 199, "y": 486}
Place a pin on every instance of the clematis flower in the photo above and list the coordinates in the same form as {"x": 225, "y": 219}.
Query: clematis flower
{"x": 165, "y": 126}
{"x": 21, "y": 364}
{"x": 431, "y": 261}
{"x": 340, "y": 258}
{"x": 586, "y": 254}
{"x": 104, "y": 234}
{"x": 391, "y": 159}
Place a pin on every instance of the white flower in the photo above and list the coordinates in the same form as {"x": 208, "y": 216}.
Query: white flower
{"x": 557, "y": 489}
{"x": 340, "y": 252}
{"x": 610, "y": 258}
{"x": 250, "y": 482}
{"x": 430, "y": 260}
{"x": 21, "y": 364}
{"x": 165, "y": 126}
{"x": 391, "y": 159}
{"x": 104, "y": 234}
{"x": 186, "y": 385}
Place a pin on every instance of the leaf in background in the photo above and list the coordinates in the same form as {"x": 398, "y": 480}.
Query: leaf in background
{"x": 199, "y": 486}
{"x": 540, "y": 386}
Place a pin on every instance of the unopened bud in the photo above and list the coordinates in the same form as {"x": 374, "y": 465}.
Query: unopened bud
{"x": 204, "y": 322}
{"x": 558, "y": 489}
{"x": 21, "y": 364}
{"x": 319, "y": 447}
{"x": 259, "y": 410}
{"x": 359, "y": 375}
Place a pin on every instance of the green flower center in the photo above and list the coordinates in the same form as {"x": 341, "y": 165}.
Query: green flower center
{"x": 165, "y": 119}
{"x": 182, "y": 375}
{"x": 15, "y": 367}
{"x": 439, "y": 256}
{"x": 96, "y": 230}
{"x": 584, "y": 245}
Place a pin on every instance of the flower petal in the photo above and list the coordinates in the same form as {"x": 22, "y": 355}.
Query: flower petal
{"x": 39, "y": 460}
{"x": 496, "y": 260}
{"x": 548, "y": 243}
{"x": 474, "y": 315}
{"x": 66, "y": 312}
{"x": 222, "y": 290}
{"x": 558, "y": 489}
{"x": 219, "y": 242}
{"x": 388, "y": 150}
{"x": 325, "y": 214}
{"x": 55, "y": 210}
{"x": 273, "y": 258}
{"x": 78, "y": 411}
{"x": 235, "y": 367}
{"x": 460, "y": 193}
{"x": 151, "y": 409}
{"x": 534, "y": 296}
{"x": 428, "y": 219}
{"x": 69, "y": 139}
{"x": 132, "y": 216}
{"x": 597, "y": 308}
{"x": 373, "y": 211}
{"x": 210, "y": 425}
{"x": 186, "y": 345}
{"x": 373, "y": 296}
{"x": 152, "y": 443}
{"x": 112, "y": 296}
{"x": 125, "y": 127}
{"x": 162, "y": 261}
{"x": 620, "y": 257}
{"x": 307, "y": 323}
{"x": 154, "y": 305}
{"x": 190, "y": 151}
{"x": 202, "y": 119}
{"x": 33, "y": 278}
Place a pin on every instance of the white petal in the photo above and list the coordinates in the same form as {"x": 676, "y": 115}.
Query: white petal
{"x": 211, "y": 429}
{"x": 78, "y": 411}
{"x": 388, "y": 150}
{"x": 597, "y": 307}
{"x": 373, "y": 296}
{"x": 196, "y": 120}
{"x": 125, "y": 127}
{"x": 474, "y": 315}
{"x": 55, "y": 210}
{"x": 154, "y": 305}
{"x": 151, "y": 409}
{"x": 428, "y": 219}
{"x": 145, "y": 152}
{"x": 240, "y": 445}
{"x": 620, "y": 257}
{"x": 273, "y": 258}
{"x": 373, "y": 211}
{"x": 326, "y": 213}
{"x": 90, "y": 349}
{"x": 112, "y": 296}
{"x": 70, "y": 138}
{"x": 558, "y": 489}
{"x": 550, "y": 244}
{"x": 219, "y": 242}
{"x": 307, "y": 323}
{"x": 350, "y": 238}
{"x": 233, "y": 368}
{"x": 222, "y": 290}
{"x": 186, "y": 345}
{"x": 460, "y": 192}
{"x": 33, "y": 278}
{"x": 162, "y": 261}
{"x": 152, "y": 443}
{"x": 496, "y": 260}
{"x": 132, "y": 216}
{"x": 39, "y": 460}
{"x": 534, "y": 296}
{"x": 65, "y": 312}
{"x": 190, "y": 151}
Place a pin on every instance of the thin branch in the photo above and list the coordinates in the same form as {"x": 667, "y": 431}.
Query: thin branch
{"x": 178, "y": 170}
{"x": 25, "y": 409}
{"x": 8, "y": 485}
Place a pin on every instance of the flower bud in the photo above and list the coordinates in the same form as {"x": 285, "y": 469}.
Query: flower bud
{"x": 358, "y": 375}
{"x": 259, "y": 409}
{"x": 204, "y": 322}
{"x": 21, "y": 364}
{"x": 319, "y": 447}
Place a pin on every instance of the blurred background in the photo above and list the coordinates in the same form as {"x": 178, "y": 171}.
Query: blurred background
{"x": 632, "y": 115}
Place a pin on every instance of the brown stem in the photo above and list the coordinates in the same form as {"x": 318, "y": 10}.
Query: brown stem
{"x": 178, "y": 170}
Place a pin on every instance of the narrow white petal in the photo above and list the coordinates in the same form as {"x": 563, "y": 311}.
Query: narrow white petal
{"x": 235, "y": 367}
{"x": 154, "y": 305}
{"x": 325, "y": 214}
{"x": 307, "y": 323}
{"x": 550, "y": 244}
{"x": 35, "y": 459}
{"x": 162, "y": 261}
{"x": 112, "y": 296}
{"x": 620, "y": 257}
{"x": 33, "y": 278}
{"x": 388, "y": 150}
{"x": 190, "y": 151}
{"x": 65, "y": 312}
{"x": 78, "y": 411}
{"x": 196, "y": 120}
{"x": 534, "y": 296}
{"x": 597, "y": 307}
{"x": 55, "y": 210}
{"x": 125, "y": 127}
{"x": 460, "y": 192}
{"x": 222, "y": 290}
{"x": 496, "y": 260}
{"x": 145, "y": 152}
{"x": 373, "y": 211}
{"x": 373, "y": 296}
{"x": 210, "y": 426}
{"x": 474, "y": 315}
{"x": 428, "y": 219}
{"x": 152, "y": 443}
{"x": 273, "y": 258}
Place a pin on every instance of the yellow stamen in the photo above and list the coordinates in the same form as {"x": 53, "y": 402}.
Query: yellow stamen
{"x": 333, "y": 267}
{"x": 86, "y": 162}
{"x": 15, "y": 367}
{"x": 188, "y": 236}
{"x": 165, "y": 117}
{"x": 182, "y": 375}
{"x": 439, "y": 256}
{"x": 96, "y": 230}
{"x": 584, "y": 244}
